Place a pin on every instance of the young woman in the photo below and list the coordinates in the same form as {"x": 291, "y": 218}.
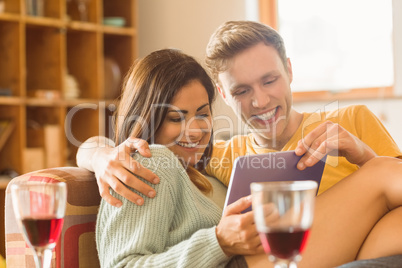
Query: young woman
{"x": 166, "y": 101}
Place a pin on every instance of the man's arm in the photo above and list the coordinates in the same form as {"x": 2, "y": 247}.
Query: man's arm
{"x": 114, "y": 167}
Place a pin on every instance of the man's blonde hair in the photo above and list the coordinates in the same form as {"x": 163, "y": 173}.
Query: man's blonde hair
{"x": 233, "y": 37}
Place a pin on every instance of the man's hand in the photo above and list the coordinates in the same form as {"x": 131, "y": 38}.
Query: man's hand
{"x": 330, "y": 138}
{"x": 114, "y": 166}
{"x": 236, "y": 232}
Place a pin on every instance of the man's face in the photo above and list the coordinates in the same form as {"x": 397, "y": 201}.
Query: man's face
{"x": 257, "y": 87}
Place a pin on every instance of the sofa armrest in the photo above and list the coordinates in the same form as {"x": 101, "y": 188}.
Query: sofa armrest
{"x": 83, "y": 200}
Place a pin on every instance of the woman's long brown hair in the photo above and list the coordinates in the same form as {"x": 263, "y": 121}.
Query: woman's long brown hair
{"x": 152, "y": 82}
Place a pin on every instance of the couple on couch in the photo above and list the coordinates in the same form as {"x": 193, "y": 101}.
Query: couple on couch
{"x": 163, "y": 217}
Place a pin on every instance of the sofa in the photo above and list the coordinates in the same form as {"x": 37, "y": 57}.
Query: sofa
{"x": 76, "y": 246}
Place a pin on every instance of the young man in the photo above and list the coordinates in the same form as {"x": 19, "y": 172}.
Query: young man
{"x": 253, "y": 75}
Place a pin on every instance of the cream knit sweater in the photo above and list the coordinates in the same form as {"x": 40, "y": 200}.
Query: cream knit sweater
{"x": 174, "y": 229}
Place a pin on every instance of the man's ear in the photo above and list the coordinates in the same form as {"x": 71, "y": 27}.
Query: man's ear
{"x": 289, "y": 69}
{"x": 221, "y": 92}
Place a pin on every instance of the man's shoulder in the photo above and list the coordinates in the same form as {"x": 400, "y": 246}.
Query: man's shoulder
{"x": 348, "y": 111}
{"x": 341, "y": 113}
{"x": 232, "y": 141}
{"x": 235, "y": 144}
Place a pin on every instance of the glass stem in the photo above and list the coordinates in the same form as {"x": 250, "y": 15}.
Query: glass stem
{"x": 284, "y": 264}
{"x": 43, "y": 257}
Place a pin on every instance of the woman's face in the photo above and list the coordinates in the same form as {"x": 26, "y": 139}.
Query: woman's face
{"x": 187, "y": 127}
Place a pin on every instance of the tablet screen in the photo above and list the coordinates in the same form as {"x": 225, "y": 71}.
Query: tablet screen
{"x": 278, "y": 166}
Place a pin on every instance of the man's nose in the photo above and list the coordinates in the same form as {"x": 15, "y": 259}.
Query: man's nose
{"x": 260, "y": 98}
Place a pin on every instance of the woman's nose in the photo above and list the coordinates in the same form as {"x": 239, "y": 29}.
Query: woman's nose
{"x": 195, "y": 128}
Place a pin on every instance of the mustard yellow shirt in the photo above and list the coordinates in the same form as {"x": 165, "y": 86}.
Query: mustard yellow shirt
{"x": 358, "y": 120}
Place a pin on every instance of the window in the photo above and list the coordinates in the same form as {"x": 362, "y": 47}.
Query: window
{"x": 335, "y": 45}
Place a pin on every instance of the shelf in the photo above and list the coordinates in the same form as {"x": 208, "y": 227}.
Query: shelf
{"x": 119, "y": 30}
{"x": 44, "y": 21}
{"x": 41, "y": 102}
{"x": 11, "y": 100}
{"x": 43, "y": 57}
{"x": 9, "y": 17}
{"x": 73, "y": 102}
{"x": 82, "y": 26}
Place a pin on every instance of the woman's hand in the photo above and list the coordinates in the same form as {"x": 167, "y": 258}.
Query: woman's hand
{"x": 330, "y": 138}
{"x": 236, "y": 232}
{"x": 114, "y": 166}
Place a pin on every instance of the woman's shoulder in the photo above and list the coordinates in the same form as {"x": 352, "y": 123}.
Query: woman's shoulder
{"x": 163, "y": 162}
{"x": 158, "y": 152}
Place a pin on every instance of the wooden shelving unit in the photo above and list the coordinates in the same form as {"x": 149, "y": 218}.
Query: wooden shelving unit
{"x": 36, "y": 53}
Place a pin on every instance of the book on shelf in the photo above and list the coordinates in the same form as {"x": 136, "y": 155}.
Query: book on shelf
{"x": 6, "y": 128}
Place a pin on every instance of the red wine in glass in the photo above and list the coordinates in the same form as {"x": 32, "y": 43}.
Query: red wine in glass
{"x": 42, "y": 232}
{"x": 39, "y": 208}
{"x": 284, "y": 244}
{"x": 283, "y": 213}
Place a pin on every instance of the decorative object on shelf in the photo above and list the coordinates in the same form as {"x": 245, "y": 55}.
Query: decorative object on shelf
{"x": 83, "y": 9}
{"x": 114, "y": 21}
{"x": 35, "y": 7}
{"x": 5, "y": 91}
{"x": 112, "y": 78}
{"x": 2, "y": 6}
{"x": 71, "y": 88}
{"x": 6, "y": 128}
{"x": 45, "y": 94}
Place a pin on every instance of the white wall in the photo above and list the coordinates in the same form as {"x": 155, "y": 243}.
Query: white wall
{"x": 188, "y": 24}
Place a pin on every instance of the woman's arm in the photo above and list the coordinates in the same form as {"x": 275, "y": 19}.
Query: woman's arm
{"x": 176, "y": 229}
{"x": 113, "y": 166}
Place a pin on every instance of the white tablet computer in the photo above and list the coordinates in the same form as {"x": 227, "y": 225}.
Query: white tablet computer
{"x": 278, "y": 166}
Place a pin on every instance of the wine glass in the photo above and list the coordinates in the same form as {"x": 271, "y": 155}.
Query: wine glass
{"x": 283, "y": 213}
{"x": 39, "y": 209}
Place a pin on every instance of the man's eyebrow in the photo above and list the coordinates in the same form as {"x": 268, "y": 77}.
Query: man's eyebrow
{"x": 186, "y": 112}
